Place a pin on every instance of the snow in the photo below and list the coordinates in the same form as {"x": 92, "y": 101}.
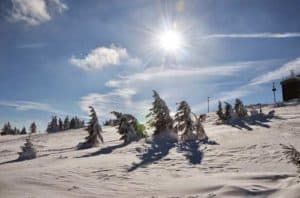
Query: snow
{"x": 248, "y": 161}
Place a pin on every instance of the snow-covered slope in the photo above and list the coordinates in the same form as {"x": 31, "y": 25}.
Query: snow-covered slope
{"x": 247, "y": 161}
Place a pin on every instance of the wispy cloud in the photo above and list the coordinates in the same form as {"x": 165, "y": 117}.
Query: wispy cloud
{"x": 280, "y": 73}
{"x": 31, "y": 45}
{"x": 102, "y": 57}
{"x": 266, "y": 35}
{"x": 35, "y": 12}
{"x": 132, "y": 93}
{"x": 33, "y": 106}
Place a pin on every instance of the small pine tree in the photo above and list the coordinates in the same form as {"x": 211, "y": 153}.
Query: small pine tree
{"x": 28, "y": 150}
{"x": 33, "y": 128}
{"x": 160, "y": 115}
{"x": 240, "y": 109}
{"x": 23, "y": 131}
{"x": 94, "y": 129}
{"x": 183, "y": 121}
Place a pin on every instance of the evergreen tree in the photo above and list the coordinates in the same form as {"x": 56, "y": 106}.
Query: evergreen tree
{"x": 6, "y": 130}
{"x": 33, "y": 128}
{"x": 160, "y": 115}
{"x": 28, "y": 150}
{"x": 228, "y": 111}
{"x": 200, "y": 132}
{"x": 128, "y": 127}
{"x": 220, "y": 111}
{"x": 183, "y": 121}
{"x": 23, "y": 131}
{"x": 66, "y": 123}
{"x": 73, "y": 123}
{"x": 240, "y": 109}
{"x": 60, "y": 125}
{"x": 53, "y": 126}
{"x": 94, "y": 131}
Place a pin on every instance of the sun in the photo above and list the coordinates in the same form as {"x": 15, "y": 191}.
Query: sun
{"x": 170, "y": 41}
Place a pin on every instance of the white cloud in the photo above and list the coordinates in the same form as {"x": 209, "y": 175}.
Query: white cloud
{"x": 102, "y": 57}
{"x": 35, "y": 12}
{"x": 256, "y": 35}
{"x": 280, "y": 73}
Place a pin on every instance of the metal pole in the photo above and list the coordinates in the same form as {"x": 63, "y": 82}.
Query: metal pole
{"x": 274, "y": 90}
{"x": 207, "y": 104}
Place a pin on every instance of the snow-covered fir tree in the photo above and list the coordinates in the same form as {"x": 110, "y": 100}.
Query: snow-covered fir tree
{"x": 94, "y": 131}
{"x": 198, "y": 127}
{"x": 127, "y": 130}
{"x": 240, "y": 109}
{"x": 128, "y": 127}
{"x": 183, "y": 121}
{"x": 28, "y": 150}
{"x": 33, "y": 128}
{"x": 159, "y": 115}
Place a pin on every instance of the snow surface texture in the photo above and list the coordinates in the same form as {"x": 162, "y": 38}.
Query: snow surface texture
{"x": 248, "y": 161}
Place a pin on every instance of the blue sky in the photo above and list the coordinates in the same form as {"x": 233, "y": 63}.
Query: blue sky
{"x": 59, "y": 56}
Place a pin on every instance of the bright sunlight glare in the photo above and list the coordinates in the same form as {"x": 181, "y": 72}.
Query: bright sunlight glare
{"x": 170, "y": 41}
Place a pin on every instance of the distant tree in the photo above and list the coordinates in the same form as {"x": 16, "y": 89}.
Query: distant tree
{"x": 160, "y": 115}
{"x": 6, "y": 130}
{"x": 220, "y": 111}
{"x": 240, "y": 109}
{"x": 15, "y": 131}
{"x": 183, "y": 121}
{"x": 66, "y": 123}
{"x": 228, "y": 111}
{"x": 60, "y": 125}
{"x": 23, "y": 131}
{"x": 73, "y": 123}
{"x": 28, "y": 150}
{"x": 33, "y": 128}
{"x": 94, "y": 131}
{"x": 53, "y": 125}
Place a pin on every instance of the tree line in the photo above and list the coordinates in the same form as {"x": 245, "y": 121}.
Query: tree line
{"x": 57, "y": 124}
{"x": 9, "y": 130}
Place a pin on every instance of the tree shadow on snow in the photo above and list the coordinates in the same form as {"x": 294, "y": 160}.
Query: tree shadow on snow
{"x": 191, "y": 151}
{"x": 158, "y": 150}
{"x": 258, "y": 120}
{"x": 105, "y": 150}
